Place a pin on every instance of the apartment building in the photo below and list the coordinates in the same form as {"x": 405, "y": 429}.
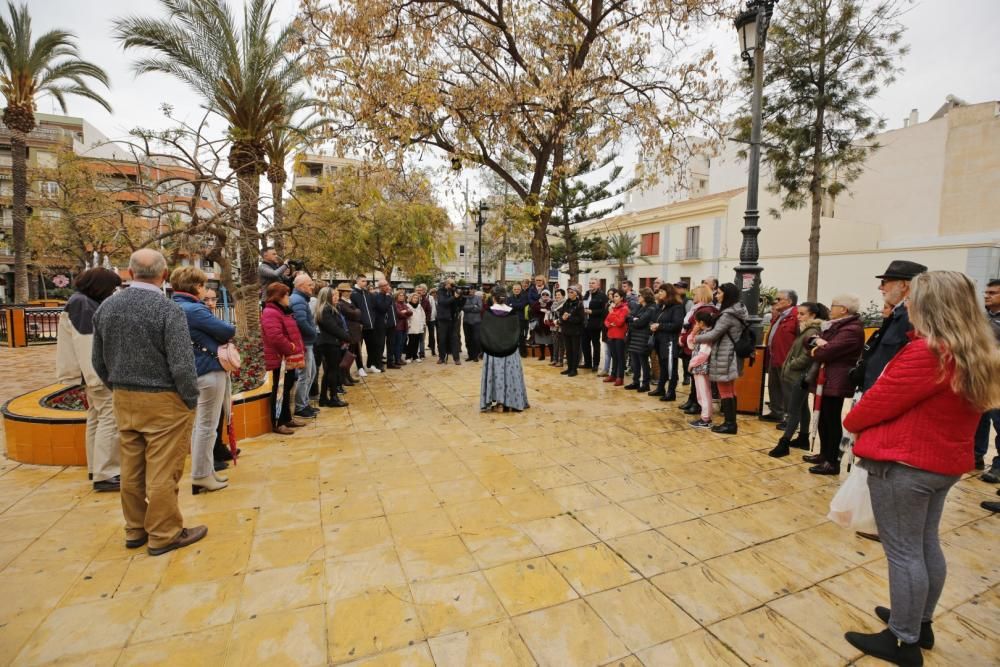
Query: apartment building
{"x": 153, "y": 193}
{"x": 931, "y": 194}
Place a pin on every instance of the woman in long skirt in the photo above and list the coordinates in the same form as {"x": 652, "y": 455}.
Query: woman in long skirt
{"x": 503, "y": 378}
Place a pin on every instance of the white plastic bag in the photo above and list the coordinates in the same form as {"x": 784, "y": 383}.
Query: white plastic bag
{"x": 851, "y": 507}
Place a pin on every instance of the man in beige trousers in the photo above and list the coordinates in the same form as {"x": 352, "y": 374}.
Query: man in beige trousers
{"x": 142, "y": 350}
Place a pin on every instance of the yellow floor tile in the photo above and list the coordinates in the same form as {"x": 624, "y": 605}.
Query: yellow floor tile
{"x": 640, "y": 615}
{"x": 207, "y": 560}
{"x": 349, "y": 538}
{"x": 199, "y": 649}
{"x": 478, "y": 515}
{"x": 705, "y": 595}
{"x": 99, "y": 581}
{"x": 177, "y": 609}
{"x": 417, "y": 655}
{"x": 435, "y": 557}
{"x": 371, "y": 623}
{"x": 281, "y": 589}
{"x": 826, "y": 617}
{"x": 82, "y": 629}
{"x": 353, "y": 574}
{"x": 697, "y": 648}
{"x": 408, "y": 499}
{"x": 609, "y": 521}
{"x": 494, "y": 644}
{"x": 460, "y": 491}
{"x": 577, "y": 497}
{"x": 651, "y": 553}
{"x": 294, "y": 638}
{"x": 622, "y": 488}
{"x": 499, "y": 545}
{"x": 286, "y": 547}
{"x": 569, "y": 634}
{"x": 657, "y": 511}
{"x": 765, "y": 632}
{"x": 455, "y": 603}
{"x": 529, "y": 584}
{"x": 757, "y": 574}
{"x": 420, "y": 525}
{"x": 593, "y": 568}
{"x": 529, "y": 506}
{"x": 557, "y": 533}
{"x": 702, "y": 539}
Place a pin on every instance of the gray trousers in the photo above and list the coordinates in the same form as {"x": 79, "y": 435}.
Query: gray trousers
{"x": 797, "y": 410}
{"x": 775, "y": 392}
{"x": 306, "y": 377}
{"x": 907, "y": 503}
{"x": 211, "y": 392}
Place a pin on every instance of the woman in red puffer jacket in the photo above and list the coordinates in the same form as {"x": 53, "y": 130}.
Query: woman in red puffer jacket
{"x": 282, "y": 339}
{"x": 617, "y": 327}
{"x": 915, "y": 430}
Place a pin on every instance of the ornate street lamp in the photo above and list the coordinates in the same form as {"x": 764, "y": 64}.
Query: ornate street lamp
{"x": 479, "y": 226}
{"x": 752, "y": 26}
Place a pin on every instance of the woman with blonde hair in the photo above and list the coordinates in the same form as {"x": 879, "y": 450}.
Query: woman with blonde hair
{"x": 915, "y": 428}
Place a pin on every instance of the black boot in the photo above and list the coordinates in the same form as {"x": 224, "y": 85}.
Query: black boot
{"x": 926, "y": 640}
{"x": 220, "y": 452}
{"x": 688, "y": 403}
{"x": 659, "y": 391}
{"x": 695, "y": 409}
{"x": 886, "y": 646}
{"x": 801, "y": 441}
{"x": 729, "y": 412}
{"x": 781, "y": 449}
{"x": 669, "y": 396}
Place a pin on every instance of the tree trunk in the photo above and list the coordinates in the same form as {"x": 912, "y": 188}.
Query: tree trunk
{"x": 19, "y": 178}
{"x": 621, "y": 274}
{"x": 816, "y": 192}
{"x": 278, "y": 197}
{"x": 248, "y": 295}
{"x": 572, "y": 254}
{"x": 540, "y": 259}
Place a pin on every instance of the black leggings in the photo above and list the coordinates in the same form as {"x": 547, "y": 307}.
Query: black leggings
{"x": 572, "y": 351}
{"x": 286, "y": 397}
{"x": 829, "y": 427}
{"x": 668, "y": 367}
{"x": 331, "y": 355}
{"x": 616, "y": 346}
{"x": 640, "y": 368}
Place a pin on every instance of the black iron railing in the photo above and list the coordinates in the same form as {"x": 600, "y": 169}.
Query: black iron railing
{"x": 41, "y": 325}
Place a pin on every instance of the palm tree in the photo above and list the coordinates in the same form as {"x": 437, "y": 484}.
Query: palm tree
{"x": 242, "y": 74}
{"x": 622, "y": 247}
{"x": 282, "y": 141}
{"x": 49, "y": 65}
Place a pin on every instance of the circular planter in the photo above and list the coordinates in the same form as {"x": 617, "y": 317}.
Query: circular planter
{"x": 36, "y": 433}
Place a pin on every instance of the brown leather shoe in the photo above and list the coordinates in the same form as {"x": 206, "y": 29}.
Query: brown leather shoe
{"x": 295, "y": 423}
{"x": 814, "y": 458}
{"x": 187, "y": 537}
{"x": 283, "y": 430}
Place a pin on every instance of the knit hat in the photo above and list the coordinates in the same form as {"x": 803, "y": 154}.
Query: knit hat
{"x": 545, "y": 292}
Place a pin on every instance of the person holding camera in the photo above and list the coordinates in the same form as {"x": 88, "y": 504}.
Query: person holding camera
{"x": 273, "y": 270}
{"x": 472, "y": 318}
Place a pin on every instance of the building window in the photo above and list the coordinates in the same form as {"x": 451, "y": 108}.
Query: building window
{"x": 650, "y": 244}
{"x": 646, "y": 282}
{"x": 687, "y": 281}
{"x": 461, "y": 251}
{"x": 50, "y": 188}
{"x": 692, "y": 237}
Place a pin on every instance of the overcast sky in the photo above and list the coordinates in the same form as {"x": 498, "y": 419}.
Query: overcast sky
{"x": 953, "y": 51}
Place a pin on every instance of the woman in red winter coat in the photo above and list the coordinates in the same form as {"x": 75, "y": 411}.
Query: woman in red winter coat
{"x": 617, "y": 327}
{"x": 281, "y": 339}
{"x": 915, "y": 429}
{"x": 837, "y": 348}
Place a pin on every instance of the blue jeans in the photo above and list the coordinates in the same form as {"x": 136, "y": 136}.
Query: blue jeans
{"x": 983, "y": 437}
{"x": 396, "y": 351}
{"x": 306, "y": 377}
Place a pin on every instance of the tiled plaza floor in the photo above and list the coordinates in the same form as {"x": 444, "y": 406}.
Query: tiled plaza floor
{"x": 410, "y": 529}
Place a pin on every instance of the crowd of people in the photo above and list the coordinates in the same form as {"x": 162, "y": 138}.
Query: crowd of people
{"x": 924, "y": 394}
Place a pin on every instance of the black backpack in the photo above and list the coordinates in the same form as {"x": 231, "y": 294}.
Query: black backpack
{"x": 745, "y": 346}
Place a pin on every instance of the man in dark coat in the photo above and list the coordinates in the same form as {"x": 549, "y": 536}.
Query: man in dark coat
{"x": 992, "y": 475}
{"x": 595, "y": 307}
{"x": 780, "y": 337}
{"x": 518, "y": 301}
{"x": 384, "y": 321}
{"x": 892, "y": 336}
{"x": 449, "y": 309}
{"x": 363, "y": 301}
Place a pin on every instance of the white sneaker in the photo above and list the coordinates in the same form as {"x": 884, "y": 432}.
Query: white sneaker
{"x": 372, "y": 369}
{"x": 361, "y": 373}
{"x": 419, "y": 360}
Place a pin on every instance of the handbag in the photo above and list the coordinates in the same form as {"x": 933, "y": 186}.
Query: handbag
{"x": 346, "y": 361}
{"x": 851, "y": 507}
{"x": 227, "y": 354}
{"x": 295, "y": 360}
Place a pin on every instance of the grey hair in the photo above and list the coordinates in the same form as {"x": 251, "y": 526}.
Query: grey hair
{"x": 849, "y": 301}
{"x": 792, "y": 295}
{"x": 147, "y": 264}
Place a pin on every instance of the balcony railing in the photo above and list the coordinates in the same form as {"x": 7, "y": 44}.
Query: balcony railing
{"x": 39, "y": 133}
{"x": 687, "y": 254}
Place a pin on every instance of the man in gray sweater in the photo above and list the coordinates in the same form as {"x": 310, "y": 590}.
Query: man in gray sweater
{"x": 142, "y": 351}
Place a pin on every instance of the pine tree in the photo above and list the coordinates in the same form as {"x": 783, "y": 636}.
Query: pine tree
{"x": 580, "y": 202}
{"x": 825, "y": 60}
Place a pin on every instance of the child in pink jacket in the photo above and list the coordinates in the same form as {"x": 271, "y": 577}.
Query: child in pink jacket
{"x": 698, "y": 366}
